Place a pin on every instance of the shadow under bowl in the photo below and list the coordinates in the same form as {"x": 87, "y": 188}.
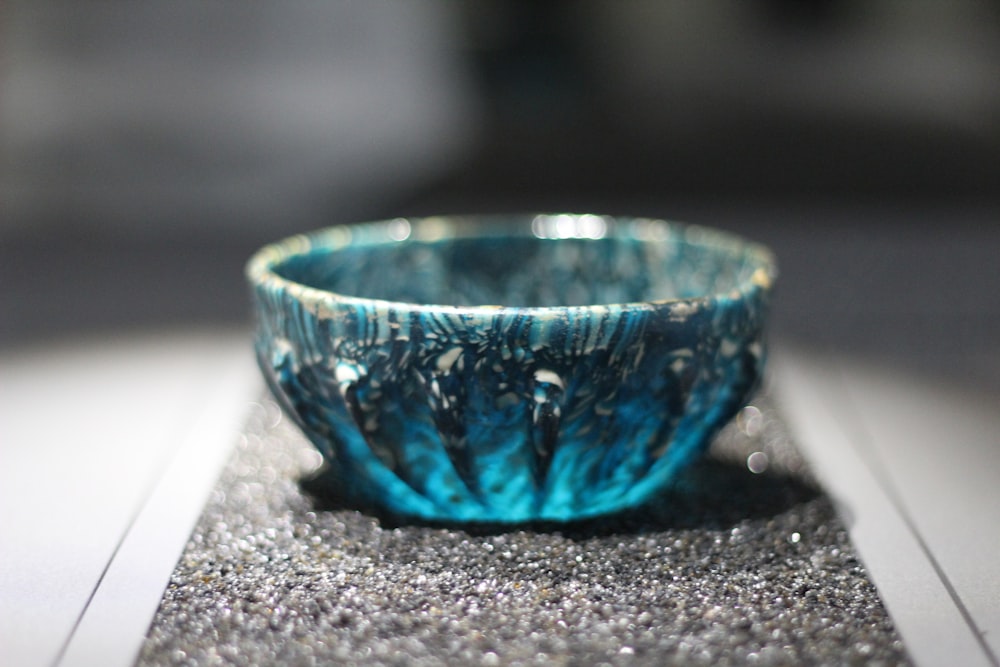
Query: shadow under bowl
{"x": 510, "y": 369}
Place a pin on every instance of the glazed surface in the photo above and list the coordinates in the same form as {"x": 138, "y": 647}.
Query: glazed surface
{"x": 506, "y": 413}
{"x": 522, "y": 271}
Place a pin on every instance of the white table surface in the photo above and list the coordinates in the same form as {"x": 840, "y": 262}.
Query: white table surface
{"x": 109, "y": 450}
{"x": 914, "y": 468}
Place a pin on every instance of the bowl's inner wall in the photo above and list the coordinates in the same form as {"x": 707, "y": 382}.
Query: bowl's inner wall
{"x": 522, "y": 271}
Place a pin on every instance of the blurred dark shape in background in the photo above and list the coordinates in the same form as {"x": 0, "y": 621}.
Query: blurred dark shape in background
{"x": 147, "y": 148}
{"x": 755, "y": 100}
{"x": 170, "y": 117}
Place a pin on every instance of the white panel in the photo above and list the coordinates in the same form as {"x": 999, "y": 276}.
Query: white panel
{"x": 923, "y": 516}
{"x": 86, "y": 432}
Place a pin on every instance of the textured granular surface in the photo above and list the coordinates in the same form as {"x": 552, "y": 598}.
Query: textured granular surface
{"x": 745, "y": 561}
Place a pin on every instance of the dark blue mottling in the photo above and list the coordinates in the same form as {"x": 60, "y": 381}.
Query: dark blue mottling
{"x": 565, "y": 376}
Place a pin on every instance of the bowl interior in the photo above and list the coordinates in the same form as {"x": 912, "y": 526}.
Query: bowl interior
{"x": 508, "y": 265}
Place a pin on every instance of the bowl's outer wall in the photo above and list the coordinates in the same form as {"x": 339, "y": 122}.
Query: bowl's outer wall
{"x": 509, "y": 414}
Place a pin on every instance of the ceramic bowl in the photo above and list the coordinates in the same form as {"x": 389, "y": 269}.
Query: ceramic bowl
{"x": 508, "y": 369}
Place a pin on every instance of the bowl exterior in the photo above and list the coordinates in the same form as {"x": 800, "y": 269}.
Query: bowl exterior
{"x": 508, "y": 414}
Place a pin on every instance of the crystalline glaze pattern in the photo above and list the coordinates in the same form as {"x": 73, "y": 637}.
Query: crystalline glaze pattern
{"x": 551, "y": 368}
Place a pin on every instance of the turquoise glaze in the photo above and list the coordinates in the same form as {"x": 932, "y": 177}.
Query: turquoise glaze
{"x": 512, "y": 368}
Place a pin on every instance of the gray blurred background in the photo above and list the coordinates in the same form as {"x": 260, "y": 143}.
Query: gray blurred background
{"x": 146, "y": 148}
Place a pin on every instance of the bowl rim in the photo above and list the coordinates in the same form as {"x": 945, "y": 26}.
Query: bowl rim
{"x": 261, "y": 268}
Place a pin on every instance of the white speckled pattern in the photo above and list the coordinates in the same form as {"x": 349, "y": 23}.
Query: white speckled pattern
{"x": 737, "y": 568}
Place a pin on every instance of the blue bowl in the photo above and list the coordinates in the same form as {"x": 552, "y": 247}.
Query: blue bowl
{"x": 509, "y": 369}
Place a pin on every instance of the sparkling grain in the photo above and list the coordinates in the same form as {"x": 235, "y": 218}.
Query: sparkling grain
{"x": 735, "y": 566}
